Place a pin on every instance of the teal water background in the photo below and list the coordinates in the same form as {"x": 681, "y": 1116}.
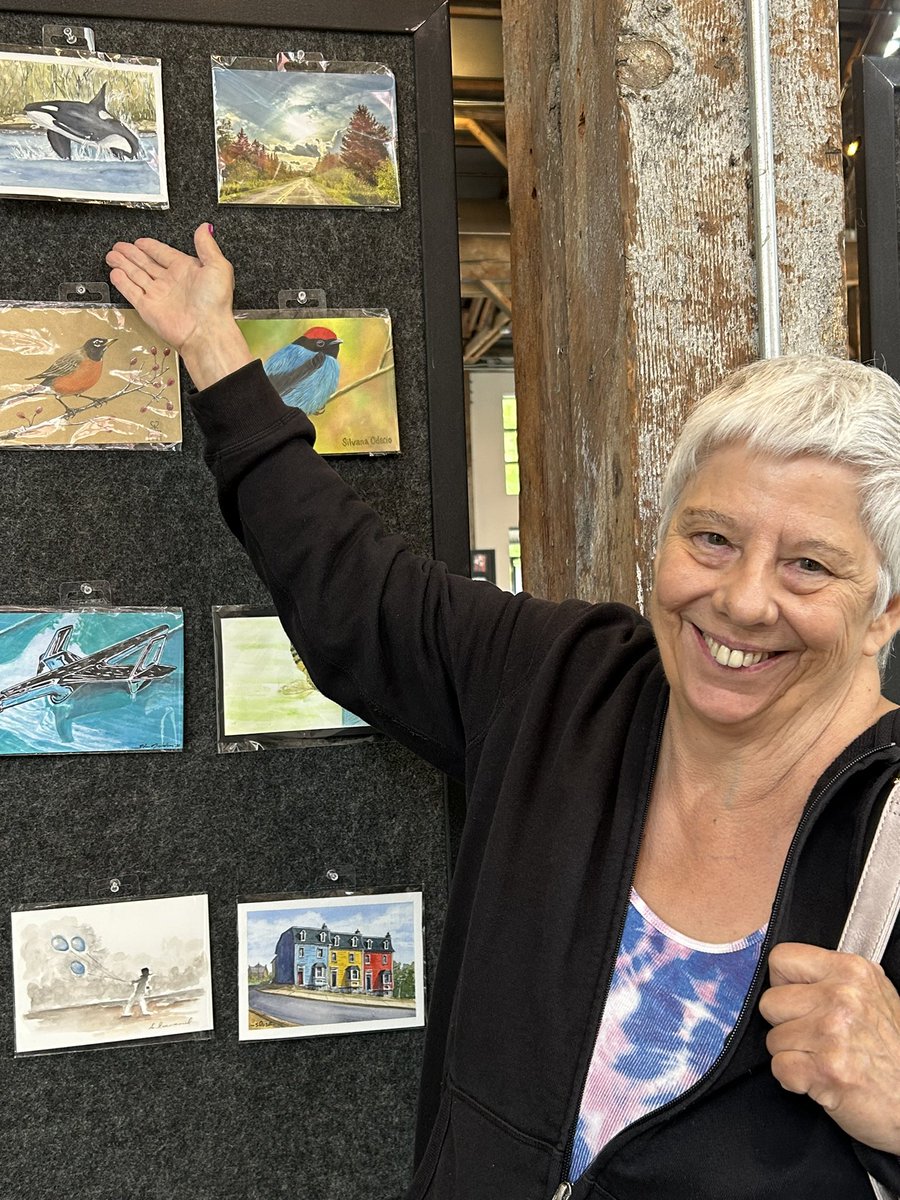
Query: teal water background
{"x": 93, "y": 719}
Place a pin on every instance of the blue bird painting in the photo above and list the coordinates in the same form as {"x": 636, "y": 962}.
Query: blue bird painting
{"x": 305, "y": 373}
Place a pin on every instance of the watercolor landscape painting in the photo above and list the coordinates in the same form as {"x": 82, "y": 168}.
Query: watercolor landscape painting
{"x": 82, "y": 127}
{"x": 85, "y": 377}
{"x": 91, "y": 681}
{"x": 338, "y": 368}
{"x": 129, "y": 970}
{"x": 305, "y": 137}
{"x": 344, "y": 964}
{"x": 265, "y": 694}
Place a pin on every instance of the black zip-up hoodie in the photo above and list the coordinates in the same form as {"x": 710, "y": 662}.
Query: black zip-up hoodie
{"x": 552, "y": 715}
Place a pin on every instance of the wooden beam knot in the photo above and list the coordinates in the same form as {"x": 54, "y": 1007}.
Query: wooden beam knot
{"x": 643, "y": 63}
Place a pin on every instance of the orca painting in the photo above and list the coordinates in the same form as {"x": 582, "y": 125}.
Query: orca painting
{"x": 83, "y": 127}
{"x": 68, "y": 121}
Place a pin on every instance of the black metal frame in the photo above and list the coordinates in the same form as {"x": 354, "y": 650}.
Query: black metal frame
{"x": 428, "y": 23}
{"x": 876, "y": 82}
{"x": 875, "y": 85}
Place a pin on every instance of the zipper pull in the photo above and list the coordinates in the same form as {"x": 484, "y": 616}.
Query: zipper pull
{"x": 563, "y": 1192}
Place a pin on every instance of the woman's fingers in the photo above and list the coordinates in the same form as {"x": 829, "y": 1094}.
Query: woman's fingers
{"x": 132, "y": 293}
{"x": 126, "y": 263}
{"x": 137, "y": 256}
{"x": 165, "y": 255}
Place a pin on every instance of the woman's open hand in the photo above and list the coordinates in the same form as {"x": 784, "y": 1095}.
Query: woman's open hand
{"x": 185, "y": 300}
{"x": 836, "y": 1038}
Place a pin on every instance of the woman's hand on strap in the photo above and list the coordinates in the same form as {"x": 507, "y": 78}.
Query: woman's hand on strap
{"x": 836, "y": 1038}
{"x": 187, "y": 301}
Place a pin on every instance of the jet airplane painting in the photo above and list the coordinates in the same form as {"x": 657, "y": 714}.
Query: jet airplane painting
{"x": 70, "y": 683}
{"x": 61, "y": 673}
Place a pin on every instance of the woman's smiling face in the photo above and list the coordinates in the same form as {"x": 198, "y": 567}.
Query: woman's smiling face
{"x": 764, "y": 587}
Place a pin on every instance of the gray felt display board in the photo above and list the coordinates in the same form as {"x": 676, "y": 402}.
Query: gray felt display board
{"x": 324, "y": 1117}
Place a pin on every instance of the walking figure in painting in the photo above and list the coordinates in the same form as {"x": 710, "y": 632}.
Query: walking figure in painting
{"x": 140, "y": 989}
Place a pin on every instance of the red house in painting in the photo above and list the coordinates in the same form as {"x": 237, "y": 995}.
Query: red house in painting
{"x": 378, "y": 965}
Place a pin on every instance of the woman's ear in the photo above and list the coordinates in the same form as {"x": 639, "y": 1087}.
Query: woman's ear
{"x": 883, "y": 627}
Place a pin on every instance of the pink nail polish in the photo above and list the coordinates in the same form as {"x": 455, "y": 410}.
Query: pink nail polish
{"x": 212, "y": 231}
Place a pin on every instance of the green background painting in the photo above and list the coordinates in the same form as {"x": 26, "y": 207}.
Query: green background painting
{"x": 263, "y": 688}
{"x": 361, "y": 418}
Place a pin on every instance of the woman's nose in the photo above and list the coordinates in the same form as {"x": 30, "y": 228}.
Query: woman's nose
{"x": 746, "y": 594}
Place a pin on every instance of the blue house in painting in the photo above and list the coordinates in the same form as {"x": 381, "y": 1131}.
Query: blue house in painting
{"x": 301, "y": 957}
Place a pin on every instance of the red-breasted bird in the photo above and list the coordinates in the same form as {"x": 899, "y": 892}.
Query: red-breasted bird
{"x": 77, "y": 372}
{"x": 305, "y": 373}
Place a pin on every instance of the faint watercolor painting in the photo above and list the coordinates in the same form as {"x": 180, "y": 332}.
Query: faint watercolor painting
{"x": 265, "y": 695}
{"x": 83, "y": 377}
{"x": 82, "y": 127}
{"x": 332, "y": 964}
{"x": 339, "y": 369}
{"x": 305, "y": 133}
{"x": 91, "y": 681}
{"x": 129, "y": 970}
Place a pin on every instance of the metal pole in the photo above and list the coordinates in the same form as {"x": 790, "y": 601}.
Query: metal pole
{"x": 763, "y": 166}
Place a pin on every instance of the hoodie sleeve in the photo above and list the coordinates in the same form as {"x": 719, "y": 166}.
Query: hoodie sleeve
{"x": 420, "y": 653}
{"x": 881, "y": 1166}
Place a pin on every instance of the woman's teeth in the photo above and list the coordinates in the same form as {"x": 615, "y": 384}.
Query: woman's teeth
{"x": 727, "y": 657}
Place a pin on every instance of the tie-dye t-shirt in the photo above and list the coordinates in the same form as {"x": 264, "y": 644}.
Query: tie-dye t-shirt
{"x": 672, "y": 1003}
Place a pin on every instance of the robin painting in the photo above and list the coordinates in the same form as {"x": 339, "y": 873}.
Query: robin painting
{"x": 75, "y": 373}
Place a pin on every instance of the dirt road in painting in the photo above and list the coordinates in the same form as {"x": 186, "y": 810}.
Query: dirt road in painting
{"x": 297, "y": 191}
{"x": 297, "y": 1011}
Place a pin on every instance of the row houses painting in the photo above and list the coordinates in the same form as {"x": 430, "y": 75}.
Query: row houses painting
{"x": 325, "y": 960}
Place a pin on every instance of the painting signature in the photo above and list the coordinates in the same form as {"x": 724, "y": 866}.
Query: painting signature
{"x": 170, "y": 1024}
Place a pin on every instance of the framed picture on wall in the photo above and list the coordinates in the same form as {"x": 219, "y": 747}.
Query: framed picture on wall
{"x": 309, "y": 966}
{"x": 265, "y": 698}
{"x": 117, "y": 971}
{"x": 483, "y": 565}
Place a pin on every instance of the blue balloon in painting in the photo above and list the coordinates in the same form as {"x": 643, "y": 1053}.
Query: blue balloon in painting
{"x": 59, "y": 943}
{"x": 78, "y": 968}
{"x": 78, "y": 943}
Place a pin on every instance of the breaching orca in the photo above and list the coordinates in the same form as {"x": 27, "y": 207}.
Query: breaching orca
{"x": 68, "y": 121}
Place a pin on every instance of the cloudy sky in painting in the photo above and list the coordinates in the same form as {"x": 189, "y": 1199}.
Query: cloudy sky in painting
{"x": 299, "y": 107}
{"x": 268, "y": 923}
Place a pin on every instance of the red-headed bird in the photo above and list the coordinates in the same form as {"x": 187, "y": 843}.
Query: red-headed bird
{"x": 305, "y": 373}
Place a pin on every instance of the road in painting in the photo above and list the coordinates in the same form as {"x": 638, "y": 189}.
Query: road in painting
{"x": 294, "y": 1010}
{"x": 344, "y": 964}
{"x": 77, "y": 682}
{"x": 123, "y": 971}
{"x": 81, "y": 127}
{"x": 305, "y": 137}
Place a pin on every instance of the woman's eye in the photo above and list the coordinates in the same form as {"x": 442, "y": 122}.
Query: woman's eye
{"x": 809, "y": 566}
{"x": 712, "y": 539}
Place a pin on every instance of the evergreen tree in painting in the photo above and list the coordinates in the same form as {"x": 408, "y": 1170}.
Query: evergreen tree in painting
{"x": 363, "y": 148}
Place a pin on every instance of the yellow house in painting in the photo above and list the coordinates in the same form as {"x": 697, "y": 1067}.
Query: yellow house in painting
{"x": 345, "y": 958}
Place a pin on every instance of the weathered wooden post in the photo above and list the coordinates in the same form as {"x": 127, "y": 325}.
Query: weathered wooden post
{"x": 632, "y": 265}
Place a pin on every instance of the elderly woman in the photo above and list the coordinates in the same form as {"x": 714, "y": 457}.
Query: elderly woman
{"x": 638, "y": 994}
